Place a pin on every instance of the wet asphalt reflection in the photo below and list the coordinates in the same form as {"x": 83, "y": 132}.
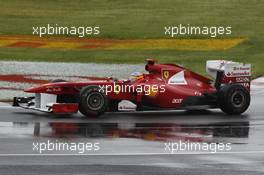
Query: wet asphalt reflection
{"x": 133, "y": 133}
{"x": 124, "y": 138}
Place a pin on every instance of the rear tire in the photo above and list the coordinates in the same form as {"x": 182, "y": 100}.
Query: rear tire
{"x": 234, "y": 99}
{"x": 92, "y": 102}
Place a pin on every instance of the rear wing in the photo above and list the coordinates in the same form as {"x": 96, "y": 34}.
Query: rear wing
{"x": 227, "y": 72}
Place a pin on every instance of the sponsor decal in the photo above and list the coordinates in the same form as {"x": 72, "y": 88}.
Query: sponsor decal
{"x": 233, "y": 74}
{"x": 178, "y": 79}
{"x": 236, "y": 79}
{"x": 176, "y": 100}
{"x": 242, "y": 79}
{"x": 246, "y": 85}
{"x": 238, "y": 70}
{"x": 53, "y": 89}
{"x": 197, "y": 93}
{"x": 153, "y": 91}
{"x": 241, "y": 68}
{"x": 117, "y": 89}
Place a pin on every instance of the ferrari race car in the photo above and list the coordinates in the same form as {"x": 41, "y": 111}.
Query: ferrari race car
{"x": 162, "y": 87}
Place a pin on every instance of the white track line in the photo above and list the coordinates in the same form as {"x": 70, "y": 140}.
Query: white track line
{"x": 138, "y": 154}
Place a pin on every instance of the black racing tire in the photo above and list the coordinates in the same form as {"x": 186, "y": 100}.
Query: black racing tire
{"x": 82, "y": 111}
{"x": 92, "y": 102}
{"x": 234, "y": 99}
{"x": 58, "y": 81}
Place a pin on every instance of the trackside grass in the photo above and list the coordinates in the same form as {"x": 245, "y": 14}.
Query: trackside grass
{"x": 139, "y": 19}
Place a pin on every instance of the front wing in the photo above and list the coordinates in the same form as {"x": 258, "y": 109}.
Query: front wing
{"x": 45, "y": 103}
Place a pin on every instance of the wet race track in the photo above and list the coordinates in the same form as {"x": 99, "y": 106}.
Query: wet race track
{"x": 133, "y": 143}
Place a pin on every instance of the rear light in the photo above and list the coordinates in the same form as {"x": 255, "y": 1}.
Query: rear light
{"x": 65, "y": 108}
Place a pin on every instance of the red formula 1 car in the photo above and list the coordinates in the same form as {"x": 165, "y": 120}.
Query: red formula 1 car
{"x": 163, "y": 87}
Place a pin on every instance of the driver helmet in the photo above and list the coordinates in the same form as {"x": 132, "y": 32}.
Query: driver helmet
{"x": 136, "y": 76}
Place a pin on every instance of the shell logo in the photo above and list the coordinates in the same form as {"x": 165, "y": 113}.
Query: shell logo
{"x": 117, "y": 89}
{"x": 152, "y": 92}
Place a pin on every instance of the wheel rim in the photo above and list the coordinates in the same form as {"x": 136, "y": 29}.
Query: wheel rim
{"x": 237, "y": 99}
{"x": 95, "y": 101}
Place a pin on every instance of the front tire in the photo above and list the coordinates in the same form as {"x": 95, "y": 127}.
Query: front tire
{"x": 234, "y": 99}
{"x": 58, "y": 81}
{"x": 92, "y": 102}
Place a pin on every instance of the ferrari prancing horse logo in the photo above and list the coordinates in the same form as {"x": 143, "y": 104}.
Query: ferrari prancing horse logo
{"x": 166, "y": 74}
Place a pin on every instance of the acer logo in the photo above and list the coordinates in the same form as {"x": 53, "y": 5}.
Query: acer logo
{"x": 177, "y": 100}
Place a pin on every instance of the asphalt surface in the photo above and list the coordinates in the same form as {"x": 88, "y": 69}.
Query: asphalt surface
{"x": 133, "y": 143}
